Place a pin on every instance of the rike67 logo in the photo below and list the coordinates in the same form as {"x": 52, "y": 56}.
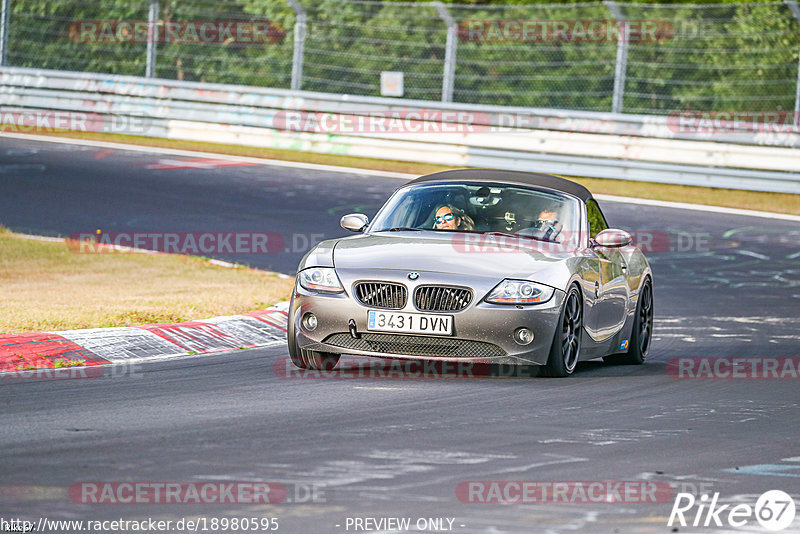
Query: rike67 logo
{"x": 774, "y": 510}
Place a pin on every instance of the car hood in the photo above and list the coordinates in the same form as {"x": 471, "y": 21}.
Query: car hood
{"x": 457, "y": 253}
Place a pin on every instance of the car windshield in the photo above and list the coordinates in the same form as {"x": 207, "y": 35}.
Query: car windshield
{"x": 482, "y": 208}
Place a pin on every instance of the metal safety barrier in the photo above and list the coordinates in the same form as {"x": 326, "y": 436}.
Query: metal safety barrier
{"x": 593, "y": 144}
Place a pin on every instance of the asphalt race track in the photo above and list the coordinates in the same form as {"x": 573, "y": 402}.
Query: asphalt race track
{"x": 381, "y": 447}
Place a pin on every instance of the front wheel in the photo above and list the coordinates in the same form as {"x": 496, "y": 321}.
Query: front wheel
{"x": 566, "y": 348}
{"x": 311, "y": 359}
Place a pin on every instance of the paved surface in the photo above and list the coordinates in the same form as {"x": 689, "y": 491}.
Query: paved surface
{"x": 57, "y": 189}
{"x": 393, "y": 447}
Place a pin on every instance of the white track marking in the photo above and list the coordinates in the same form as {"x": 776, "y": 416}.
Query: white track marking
{"x": 383, "y": 174}
{"x": 211, "y": 155}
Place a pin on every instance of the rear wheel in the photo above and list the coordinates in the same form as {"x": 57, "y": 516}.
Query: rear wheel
{"x": 566, "y": 348}
{"x": 642, "y": 330}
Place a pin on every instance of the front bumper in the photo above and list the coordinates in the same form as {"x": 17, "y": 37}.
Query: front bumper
{"x": 483, "y": 333}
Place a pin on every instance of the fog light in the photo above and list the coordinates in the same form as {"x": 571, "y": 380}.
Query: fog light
{"x": 309, "y": 321}
{"x": 523, "y": 336}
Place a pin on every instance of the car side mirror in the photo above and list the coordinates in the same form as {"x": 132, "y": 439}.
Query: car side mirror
{"x": 613, "y": 237}
{"x": 355, "y": 222}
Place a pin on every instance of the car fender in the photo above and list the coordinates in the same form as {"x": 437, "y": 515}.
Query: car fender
{"x": 319, "y": 256}
{"x": 637, "y": 272}
{"x": 638, "y": 269}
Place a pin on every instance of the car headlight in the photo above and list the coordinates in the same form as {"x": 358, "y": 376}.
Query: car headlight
{"x": 519, "y": 292}
{"x": 320, "y": 279}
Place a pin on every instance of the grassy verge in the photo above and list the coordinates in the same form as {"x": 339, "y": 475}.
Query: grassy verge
{"x": 731, "y": 198}
{"x": 45, "y": 287}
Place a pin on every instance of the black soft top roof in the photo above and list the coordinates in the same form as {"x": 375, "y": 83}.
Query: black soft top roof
{"x": 547, "y": 181}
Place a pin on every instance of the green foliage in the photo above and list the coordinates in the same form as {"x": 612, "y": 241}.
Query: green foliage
{"x": 725, "y": 57}
{"x": 722, "y": 56}
{"x": 39, "y": 36}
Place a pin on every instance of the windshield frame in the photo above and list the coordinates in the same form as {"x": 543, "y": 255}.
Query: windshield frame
{"x": 579, "y": 212}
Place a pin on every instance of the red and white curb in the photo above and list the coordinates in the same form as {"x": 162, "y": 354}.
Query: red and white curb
{"x": 98, "y": 346}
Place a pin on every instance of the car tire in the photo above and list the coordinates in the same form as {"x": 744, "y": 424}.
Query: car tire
{"x": 313, "y": 360}
{"x": 642, "y": 331}
{"x": 296, "y": 357}
{"x": 566, "y": 347}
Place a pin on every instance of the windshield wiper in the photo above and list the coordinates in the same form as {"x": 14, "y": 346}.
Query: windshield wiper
{"x": 510, "y": 234}
{"x": 402, "y": 229}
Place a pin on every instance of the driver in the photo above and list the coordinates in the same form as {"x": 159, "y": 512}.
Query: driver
{"x": 449, "y": 217}
{"x": 549, "y": 225}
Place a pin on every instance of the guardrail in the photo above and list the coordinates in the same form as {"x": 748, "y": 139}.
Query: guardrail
{"x": 602, "y": 145}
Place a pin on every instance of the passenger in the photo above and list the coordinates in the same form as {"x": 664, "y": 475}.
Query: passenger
{"x": 449, "y": 217}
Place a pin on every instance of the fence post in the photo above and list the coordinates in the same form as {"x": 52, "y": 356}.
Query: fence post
{"x": 152, "y": 39}
{"x": 620, "y": 68}
{"x": 5, "y": 12}
{"x": 796, "y": 12}
{"x": 299, "y": 43}
{"x": 797, "y": 94}
{"x": 448, "y": 79}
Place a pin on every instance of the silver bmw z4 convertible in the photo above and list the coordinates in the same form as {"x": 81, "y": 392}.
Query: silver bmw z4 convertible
{"x": 481, "y": 266}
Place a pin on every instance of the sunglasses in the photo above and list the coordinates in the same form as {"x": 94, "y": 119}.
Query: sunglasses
{"x": 545, "y": 222}
{"x": 439, "y": 219}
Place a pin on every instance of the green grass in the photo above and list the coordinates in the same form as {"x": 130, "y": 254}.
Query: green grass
{"x": 49, "y": 286}
{"x": 66, "y": 363}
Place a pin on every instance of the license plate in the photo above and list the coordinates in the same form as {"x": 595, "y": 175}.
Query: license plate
{"x": 410, "y": 323}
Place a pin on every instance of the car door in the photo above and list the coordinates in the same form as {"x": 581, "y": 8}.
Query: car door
{"x": 612, "y": 294}
{"x": 611, "y": 288}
